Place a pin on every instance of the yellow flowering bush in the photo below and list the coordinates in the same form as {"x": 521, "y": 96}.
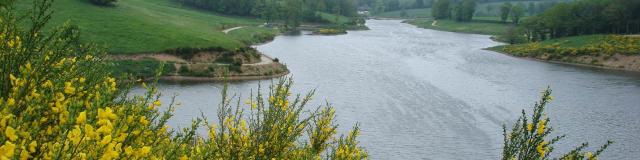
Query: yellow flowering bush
{"x": 528, "y": 137}
{"x": 608, "y": 46}
{"x": 330, "y": 31}
{"x": 58, "y": 101}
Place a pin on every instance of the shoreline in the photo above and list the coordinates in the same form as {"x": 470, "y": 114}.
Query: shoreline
{"x": 566, "y": 63}
{"x": 256, "y": 71}
{"x": 493, "y": 38}
{"x": 181, "y": 79}
{"x": 176, "y": 77}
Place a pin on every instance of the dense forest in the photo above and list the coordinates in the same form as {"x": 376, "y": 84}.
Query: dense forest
{"x": 583, "y": 18}
{"x": 291, "y": 11}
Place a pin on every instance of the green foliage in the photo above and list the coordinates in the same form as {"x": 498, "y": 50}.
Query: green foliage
{"x": 559, "y": 49}
{"x": 58, "y": 102}
{"x": 403, "y": 13}
{"x": 505, "y": 11}
{"x": 516, "y": 13}
{"x": 512, "y": 35}
{"x": 585, "y": 17}
{"x": 143, "y": 69}
{"x": 184, "y": 69}
{"x": 288, "y": 11}
{"x": 464, "y": 10}
{"x": 476, "y": 26}
{"x": 533, "y": 7}
{"x": 441, "y": 9}
{"x": 292, "y": 13}
{"x": 528, "y": 138}
{"x": 330, "y": 31}
{"x": 104, "y": 2}
{"x": 414, "y": 13}
{"x": 25, "y": 46}
{"x": 334, "y": 18}
{"x": 253, "y": 35}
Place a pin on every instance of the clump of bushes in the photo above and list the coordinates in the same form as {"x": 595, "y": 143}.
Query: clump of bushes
{"x": 330, "y": 31}
{"x": 143, "y": 69}
{"x": 263, "y": 37}
{"x": 188, "y": 53}
{"x": 184, "y": 69}
{"x": 104, "y": 2}
{"x": 608, "y": 46}
{"x": 58, "y": 101}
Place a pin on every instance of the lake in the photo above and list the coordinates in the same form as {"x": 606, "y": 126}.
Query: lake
{"x": 425, "y": 94}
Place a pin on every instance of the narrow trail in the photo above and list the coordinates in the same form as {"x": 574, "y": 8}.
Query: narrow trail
{"x": 264, "y": 59}
{"x": 226, "y": 31}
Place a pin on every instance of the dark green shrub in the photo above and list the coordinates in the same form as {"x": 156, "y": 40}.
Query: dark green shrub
{"x": 184, "y": 69}
{"x": 188, "y": 53}
{"x": 140, "y": 69}
{"x": 104, "y": 2}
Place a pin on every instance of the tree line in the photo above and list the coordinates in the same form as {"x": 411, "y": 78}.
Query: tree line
{"x": 292, "y": 12}
{"x": 515, "y": 12}
{"x": 583, "y": 18}
{"x": 379, "y": 6}
{"x": 460, "y": 10}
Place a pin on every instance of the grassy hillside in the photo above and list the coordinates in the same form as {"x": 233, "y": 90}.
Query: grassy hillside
{"x": 476, "y": 26}
{"x": 410, "y": 13}
{"x": 136, "y": 26}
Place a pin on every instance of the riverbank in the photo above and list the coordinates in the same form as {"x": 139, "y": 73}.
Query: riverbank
{"x": 156, "y": 33}
{"x": 602, "y": 51}
{"x": 485, "y": 27}
{"x": 247, "y": 64}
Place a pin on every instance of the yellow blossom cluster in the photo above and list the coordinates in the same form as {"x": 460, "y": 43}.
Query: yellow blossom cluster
{"x": 528, "y": 138}
{"x": 608, "y": 46}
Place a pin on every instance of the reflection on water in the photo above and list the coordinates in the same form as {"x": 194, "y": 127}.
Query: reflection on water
{"x": 424, "y": 94}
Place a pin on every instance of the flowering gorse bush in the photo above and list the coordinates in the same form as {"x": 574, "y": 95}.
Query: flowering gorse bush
{"x": 528, "y": 138}
{"x": 58, "y": 101}
{"x": 609, "y": 46}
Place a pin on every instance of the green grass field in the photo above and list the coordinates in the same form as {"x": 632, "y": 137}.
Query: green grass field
{"x": 486, "y": 27}
{"x": 411, "y": 13}
{"x": 136, "y": 26}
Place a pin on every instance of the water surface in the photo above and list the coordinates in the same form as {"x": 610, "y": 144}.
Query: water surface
{"x": 425, "y": 94}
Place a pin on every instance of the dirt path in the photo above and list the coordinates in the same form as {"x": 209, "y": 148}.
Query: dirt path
{"x": 264, "y": 59}
{"x": 226, "y": 31}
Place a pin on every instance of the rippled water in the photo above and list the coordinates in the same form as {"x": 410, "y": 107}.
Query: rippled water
{"x": 425, "y": 94}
